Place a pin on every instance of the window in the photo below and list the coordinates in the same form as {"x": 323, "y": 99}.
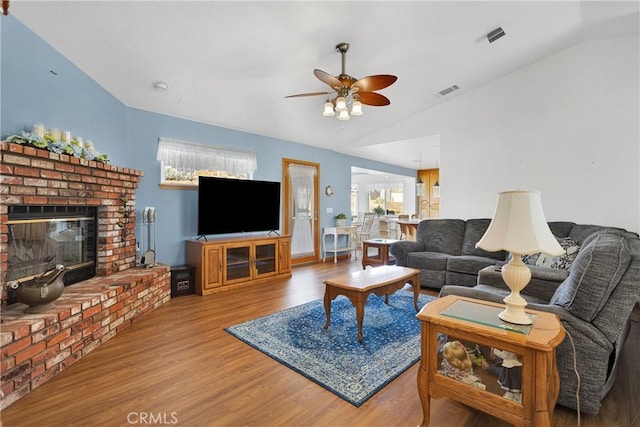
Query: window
{"x": 181, "y": 163}
{"x": 387, "y": 196}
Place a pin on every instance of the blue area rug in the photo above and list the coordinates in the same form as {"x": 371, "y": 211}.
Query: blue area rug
{"x": 333, "y": 358}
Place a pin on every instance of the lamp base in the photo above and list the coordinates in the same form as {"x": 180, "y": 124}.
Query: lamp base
{"x": 519, "y": 317}
{"x": 516, "y": 275}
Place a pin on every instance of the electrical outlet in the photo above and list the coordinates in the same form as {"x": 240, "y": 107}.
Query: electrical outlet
{"x": 329, "y": 210}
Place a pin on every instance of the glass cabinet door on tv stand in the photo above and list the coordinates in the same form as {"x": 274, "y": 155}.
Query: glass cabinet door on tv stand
{"x": 238, "y": 262}
{"x": 265, "y": 258}
{"x": 250, "y": 260}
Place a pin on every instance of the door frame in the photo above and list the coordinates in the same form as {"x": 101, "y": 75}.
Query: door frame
{"x": 286, "y": 214}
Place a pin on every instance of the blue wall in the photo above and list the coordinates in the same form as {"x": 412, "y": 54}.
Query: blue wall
{"x": 70, "y": 100}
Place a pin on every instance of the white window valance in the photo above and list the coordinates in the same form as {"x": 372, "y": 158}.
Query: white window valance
{"x": 189, "y": 155}
{"x": 383, "y": 186}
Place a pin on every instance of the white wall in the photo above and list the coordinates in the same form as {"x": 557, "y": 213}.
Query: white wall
{"x": 568, "y": 126}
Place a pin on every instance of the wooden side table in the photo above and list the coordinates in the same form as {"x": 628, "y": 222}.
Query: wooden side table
{"x": 382, "y": 257}
{"x": 476, "y": 324}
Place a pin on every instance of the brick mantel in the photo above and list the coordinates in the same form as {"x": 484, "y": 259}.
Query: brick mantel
{"x": 32, "y": 176}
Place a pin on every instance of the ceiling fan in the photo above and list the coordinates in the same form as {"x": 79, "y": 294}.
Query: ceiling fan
{"x": 347, "y": 89}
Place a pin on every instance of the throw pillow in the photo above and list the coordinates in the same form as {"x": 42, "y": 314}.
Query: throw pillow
{"x": 571, "y": 248}
{"x": 529, "y": 259}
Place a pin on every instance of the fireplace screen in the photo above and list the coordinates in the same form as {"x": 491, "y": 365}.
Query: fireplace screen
{"x": 42, "y": 237}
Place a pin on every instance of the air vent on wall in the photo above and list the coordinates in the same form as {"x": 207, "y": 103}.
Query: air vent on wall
{"x": 448, "y": 90}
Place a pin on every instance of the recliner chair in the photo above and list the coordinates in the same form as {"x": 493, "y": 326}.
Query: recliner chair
{"x": 594, "y": 303}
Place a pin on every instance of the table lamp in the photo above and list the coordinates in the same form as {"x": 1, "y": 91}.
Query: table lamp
{"x": 519, "y": 227}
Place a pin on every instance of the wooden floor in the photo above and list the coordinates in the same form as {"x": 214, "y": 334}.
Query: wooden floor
{"x": 177, "y": 366}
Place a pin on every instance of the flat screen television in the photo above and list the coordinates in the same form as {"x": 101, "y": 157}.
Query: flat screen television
{"x": 228, "y": 205}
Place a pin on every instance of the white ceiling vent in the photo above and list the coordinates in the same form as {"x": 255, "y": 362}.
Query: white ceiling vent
{"x": 447, "y": 91}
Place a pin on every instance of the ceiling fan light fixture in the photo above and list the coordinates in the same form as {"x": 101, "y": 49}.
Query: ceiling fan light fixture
{"x": 347, "y": 92}
{"x": 328, "y": 109}
{"x": 341, "y": 103}
{"x": 356, "y": 108}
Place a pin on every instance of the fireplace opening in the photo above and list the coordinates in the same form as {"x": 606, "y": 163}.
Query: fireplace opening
{"x": 41, "y": 237}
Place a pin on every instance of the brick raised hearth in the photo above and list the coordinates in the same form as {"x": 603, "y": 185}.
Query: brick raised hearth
{"x": 36, "y": 347}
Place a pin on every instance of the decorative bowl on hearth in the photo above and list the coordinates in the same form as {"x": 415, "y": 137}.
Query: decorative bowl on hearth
{"x": 40, "y": 292}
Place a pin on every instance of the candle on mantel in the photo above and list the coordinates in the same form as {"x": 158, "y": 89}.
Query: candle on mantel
{"x": 66, "y": 136}
{"x": 55, "y": 133}
{"x": 38, "y": 130}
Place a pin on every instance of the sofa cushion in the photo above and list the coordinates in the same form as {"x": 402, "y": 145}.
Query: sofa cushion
{"x": 579, "y": 232}
{"x": 543, "y": 284}
{"x": 441, "y": 235}
{"x": 561, "y": 228}
{"x": 550, "y": 274}
{"x": 428, "y": 260}
{"x": 473, "y": 232}
{"x": 468, "y": 264}
{"x": 595, "y": 273}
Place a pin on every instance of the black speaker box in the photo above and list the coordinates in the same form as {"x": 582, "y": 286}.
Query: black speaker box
{"x": 182, "y": 280}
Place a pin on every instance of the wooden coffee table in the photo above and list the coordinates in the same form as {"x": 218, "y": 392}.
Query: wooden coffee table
{"x": 357, "y": 286}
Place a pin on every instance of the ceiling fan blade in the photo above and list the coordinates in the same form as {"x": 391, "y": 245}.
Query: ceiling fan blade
{"x": 308, "y": 94}
{"x": 327, "y": 78}
{"x": 372, "y": 98}
{"x": 371, "y": 83}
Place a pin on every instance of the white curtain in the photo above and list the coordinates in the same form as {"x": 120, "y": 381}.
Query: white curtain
{"x": 302, "y": 178}
{"x": 187, "y": 155}
{"x": 384, "y": 186}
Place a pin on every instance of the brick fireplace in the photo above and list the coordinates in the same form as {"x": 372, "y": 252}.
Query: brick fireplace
{"x": 36, "y": 347}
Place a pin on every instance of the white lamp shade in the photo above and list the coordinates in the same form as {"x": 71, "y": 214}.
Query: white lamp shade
{"x": 343, "y": 115}
{"x": 341, "y": 103}
{"x": 519, "y": 226}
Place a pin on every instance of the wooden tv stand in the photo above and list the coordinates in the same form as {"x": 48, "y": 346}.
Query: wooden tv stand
{"x": 223, "y": 264}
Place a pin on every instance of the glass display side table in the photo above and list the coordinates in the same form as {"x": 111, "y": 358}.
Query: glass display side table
{"x": 513, "y": 374}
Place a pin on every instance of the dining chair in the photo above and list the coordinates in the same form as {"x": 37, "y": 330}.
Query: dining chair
{"x": 364, "y": 232}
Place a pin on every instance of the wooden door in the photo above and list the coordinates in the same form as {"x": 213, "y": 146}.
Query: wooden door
{"x": 309, "y": 214}
{"x": 213, "y": 266}
{"x": 284, "y": 252}
{"x": 429, "y": 204}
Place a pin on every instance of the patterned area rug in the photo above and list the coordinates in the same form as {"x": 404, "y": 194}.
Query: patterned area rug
{"x": 333, "y": 358}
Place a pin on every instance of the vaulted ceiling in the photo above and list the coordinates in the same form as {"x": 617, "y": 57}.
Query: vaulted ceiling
{"x": 231, "y": 64}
